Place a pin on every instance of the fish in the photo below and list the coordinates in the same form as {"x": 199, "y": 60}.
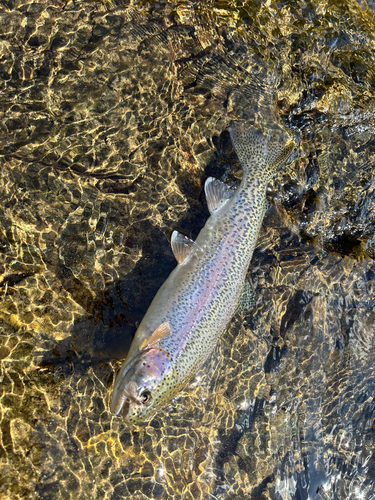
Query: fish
{"x": 193, "y": 307}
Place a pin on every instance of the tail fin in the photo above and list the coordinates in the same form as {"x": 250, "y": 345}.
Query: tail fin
{"x": 258, "y": 153}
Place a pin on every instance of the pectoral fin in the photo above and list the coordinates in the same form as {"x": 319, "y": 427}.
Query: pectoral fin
{"x": 162, "y": 331}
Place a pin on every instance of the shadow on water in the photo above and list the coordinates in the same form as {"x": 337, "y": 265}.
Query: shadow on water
{"x": 106, "y": 332}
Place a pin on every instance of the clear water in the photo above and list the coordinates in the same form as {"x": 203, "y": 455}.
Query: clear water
{"x": 112, "y": 116}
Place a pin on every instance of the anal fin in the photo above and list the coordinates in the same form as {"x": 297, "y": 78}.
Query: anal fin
{"x": 216, "y": 193}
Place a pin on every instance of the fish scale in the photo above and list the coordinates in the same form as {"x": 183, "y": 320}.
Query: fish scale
{"x": 193, "y": 307}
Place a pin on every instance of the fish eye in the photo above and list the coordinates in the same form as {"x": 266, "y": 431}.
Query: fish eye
{"x": 146, "y": 397}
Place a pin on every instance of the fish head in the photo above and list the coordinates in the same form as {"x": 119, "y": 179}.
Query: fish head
{"x": 140, "y": 385}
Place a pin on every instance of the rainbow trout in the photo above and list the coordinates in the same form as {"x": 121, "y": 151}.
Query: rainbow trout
{"x": 193, "y": 307}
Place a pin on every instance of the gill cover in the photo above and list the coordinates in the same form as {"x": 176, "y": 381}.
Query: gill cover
{"x": 143, "y": 373}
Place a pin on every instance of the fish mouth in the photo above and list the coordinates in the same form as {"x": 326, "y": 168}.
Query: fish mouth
{"x": 131, "y": 399}
{"x": 129, "y": 414}
{"x": 121, "y": 395}
{"x": 122, "y": 404}
{"x": 126, "y": 408}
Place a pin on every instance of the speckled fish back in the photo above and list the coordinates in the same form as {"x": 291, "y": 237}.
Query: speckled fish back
{"x": 211, "y": 283}
{"x": 199, "y": 298}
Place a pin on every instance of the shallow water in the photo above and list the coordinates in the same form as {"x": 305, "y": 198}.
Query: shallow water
{"x": 113, "y": 116}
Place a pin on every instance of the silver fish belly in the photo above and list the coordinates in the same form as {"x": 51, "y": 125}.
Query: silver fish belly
{"x": 193, "y": 307}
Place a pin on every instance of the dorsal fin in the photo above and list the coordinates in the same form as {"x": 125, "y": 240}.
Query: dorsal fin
{"x": 216, "y": 193}
{"x": 247, "y": 298}
{"x": 162, "y": 331}
{"x": 181, "y": 246}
